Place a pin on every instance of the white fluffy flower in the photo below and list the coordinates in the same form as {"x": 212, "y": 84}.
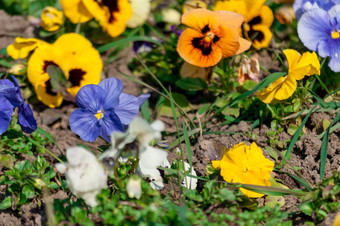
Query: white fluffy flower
{"x": 84, "y": 174}
{"x": 134, "y": 187}
{"x": 140, "y": 12}
{"x": 149, "y": 160}
{"x": 189, "y": 182}
{"x": 138, "y": 137}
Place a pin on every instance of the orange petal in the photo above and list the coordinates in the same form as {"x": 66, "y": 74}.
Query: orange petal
{"x": 197, "y": 56}
{"x": 229, "y": 41}
{"x": 244, "y": 45}
{"x": 199, "y": 18}
{"x": 227, "y": 18}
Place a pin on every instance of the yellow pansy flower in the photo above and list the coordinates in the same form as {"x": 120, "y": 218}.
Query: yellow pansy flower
{"x": 75, "y": 56}
{"x": 23, "y": 46}
{"x": 299, "y": 67}
{"x": 257, "y": 19}
{"x": 76, "y": 11}
{"x": 51, "y": 19}
{"x": 247, "y": 165}
{"x": 112, "y": 15}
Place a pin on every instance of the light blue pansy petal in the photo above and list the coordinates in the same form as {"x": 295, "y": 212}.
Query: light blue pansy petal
{"x": 6, "y": 111}
{"x": 113, "y": 88}
{"x": 315, "y": 26}
{"x": 334, "y": 63}
{"x": 91, "y": 97}
{"x": 85, "y": 124}
{"x": 128, "y": 108}
{"x": 110, "y": 123}
{"x": 142, "y": 98}
{"x": 26, "y": 119}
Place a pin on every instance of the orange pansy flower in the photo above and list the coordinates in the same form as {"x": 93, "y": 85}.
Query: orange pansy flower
{"x": 210, "y": 37}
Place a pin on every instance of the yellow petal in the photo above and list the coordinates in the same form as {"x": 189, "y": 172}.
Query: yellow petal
{"x": 299, "y": 66}
{"x": 261, "y": 36}
{"x": 76, "y": 11}
{"x": 23, "y": 46}
{"x": 286, "y": 89}
{"x": 216, "y": 164}
{"x": 268, "y": 95}
{"x": 112, "y": 20}
{"x": 267, "y": 16}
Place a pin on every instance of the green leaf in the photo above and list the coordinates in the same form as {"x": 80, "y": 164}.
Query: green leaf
{"x": 191, "y": 84}
{"x": 58, "y": 80}
{"x": 203, "y": 109}
{"x": 3, "y": 51}
{"x": 188, "y": 146}
{"x": 165, "y": 105}
{"x": 7, "y": 160}
{"x": 292, "y": 129}
{"x": 249, "y": 85}
{"x": 5, "y": 63}
{"x": 6, "y": 203}
{"x": 29, "y": 191}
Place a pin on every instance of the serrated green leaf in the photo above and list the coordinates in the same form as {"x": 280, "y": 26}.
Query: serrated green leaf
{"x": 6, "y": 203}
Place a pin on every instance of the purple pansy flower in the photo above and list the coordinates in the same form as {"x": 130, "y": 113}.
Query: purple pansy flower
{"x": 104, "y": 109}
{"x": 319, "y": 30}
{"x": 10, "y": 97}
{"x": 301, "y": 6}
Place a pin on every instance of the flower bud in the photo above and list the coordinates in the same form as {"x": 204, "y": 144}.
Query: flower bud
{"x": 51, "y": 19}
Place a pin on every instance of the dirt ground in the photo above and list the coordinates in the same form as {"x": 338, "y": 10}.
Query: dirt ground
{"x": 305, "y": 154}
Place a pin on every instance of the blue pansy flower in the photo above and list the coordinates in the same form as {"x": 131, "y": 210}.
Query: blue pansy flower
{"x": 301, "y": 6}
{"x": 319, "y": 30}
{"x": 104, "y": 109}
{"x": 10, "y": 97}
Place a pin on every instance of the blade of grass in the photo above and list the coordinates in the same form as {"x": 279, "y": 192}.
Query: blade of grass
{"x": 165, "y": 90}
{"x": 322, "y": 84}
{"x": 152, "y": 88}
{"x": 324, "y": 148}
{"x": 49, "y": 137}
{"x": 265, "y": 82}
{"x": 187, "y": 143}
{"x": 298, "y": 131}
{"x": 257, "y": 188}
{"x": 330, "y": 131}
{"x": 299, "y": 180}
{"x": 119, "y": 42}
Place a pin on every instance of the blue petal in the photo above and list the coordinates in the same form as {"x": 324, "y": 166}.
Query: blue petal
{"x": 10, "y": 92}
{"x": 113, "y": 88}
{"x": 26, "y": 119}
{"x": 85, "y": 124}
{"x": 110, "y": 123}
{"x": 316, "y": 26}
{"x": 91, "y": 97}
{"x": 142, "y": 98}
{"x": 128, "y": 108}
{"x": 334, "y": 63}
{"x": 6, "y": 111}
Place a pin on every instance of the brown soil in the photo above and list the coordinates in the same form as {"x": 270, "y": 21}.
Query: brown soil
{"x": 305, "y": 154}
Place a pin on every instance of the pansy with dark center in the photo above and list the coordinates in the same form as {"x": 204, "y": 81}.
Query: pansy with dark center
{"x": 210, "y": 37}
{"x": 111, "y": 14}
{"x": 75, "y": 56}
{"x": 104, "y": 109}
{"x": 257, "y": 19}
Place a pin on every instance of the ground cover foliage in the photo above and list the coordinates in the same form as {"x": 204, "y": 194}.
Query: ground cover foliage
{"x": 169, "y": 112}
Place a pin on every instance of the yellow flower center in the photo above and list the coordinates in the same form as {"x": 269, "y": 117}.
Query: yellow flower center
{"x": 335, "y": 34}
{"x": 246, "y": 27}
{"x": 208, "y": 37}
{"x": 99, "y": 115}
